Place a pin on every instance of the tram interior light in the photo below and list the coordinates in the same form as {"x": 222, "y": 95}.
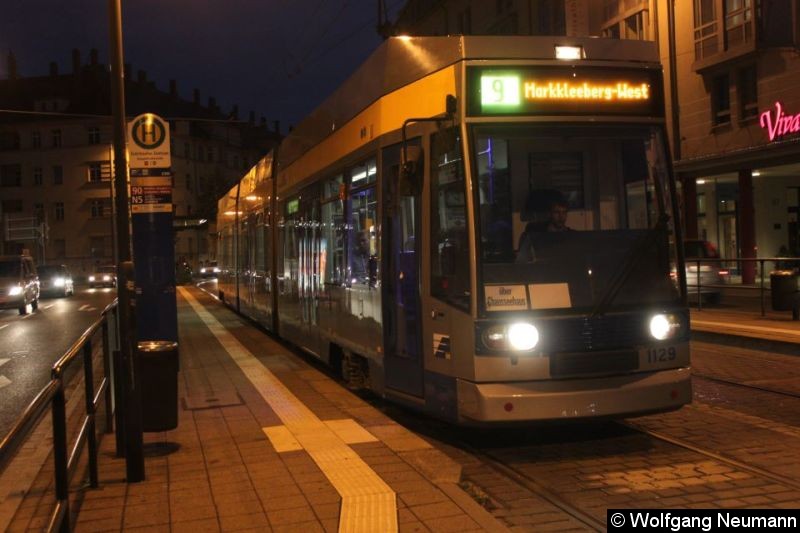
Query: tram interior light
{"x": 664, "y": 326}
{"x": 569, "y": 52}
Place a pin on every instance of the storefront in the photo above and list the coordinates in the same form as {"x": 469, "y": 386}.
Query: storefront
{"x": 746, "y": 201}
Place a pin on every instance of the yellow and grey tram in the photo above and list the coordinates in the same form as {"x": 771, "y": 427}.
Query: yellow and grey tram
{"x": 483, "y": 228}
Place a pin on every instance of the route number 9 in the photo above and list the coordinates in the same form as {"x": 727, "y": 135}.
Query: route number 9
{"x": 500, "y": 91}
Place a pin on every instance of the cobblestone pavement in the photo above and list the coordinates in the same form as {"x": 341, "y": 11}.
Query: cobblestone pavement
{"x": 600, "y": 466}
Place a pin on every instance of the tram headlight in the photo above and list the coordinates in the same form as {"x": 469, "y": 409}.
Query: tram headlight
{"x": 664, "y": 326}
{"x": 518, "y": 337}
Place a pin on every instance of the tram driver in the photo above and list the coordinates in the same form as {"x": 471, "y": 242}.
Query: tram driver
{"x": 556, "y": 222}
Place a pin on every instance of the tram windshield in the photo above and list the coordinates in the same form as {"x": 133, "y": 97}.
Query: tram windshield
{"x": 581, "y": 215}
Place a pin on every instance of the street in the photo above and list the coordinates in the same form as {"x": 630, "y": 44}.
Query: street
{"x": 32, "y": 343}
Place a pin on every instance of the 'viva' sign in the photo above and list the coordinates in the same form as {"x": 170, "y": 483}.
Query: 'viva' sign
{"x": 779, "y": 124}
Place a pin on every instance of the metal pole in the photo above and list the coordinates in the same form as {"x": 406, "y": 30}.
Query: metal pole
{"x": 699, "y": 295}
{"x": 134, "y": 460}
{"x": 91, "y": 432}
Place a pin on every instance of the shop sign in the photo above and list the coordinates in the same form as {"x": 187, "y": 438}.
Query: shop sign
{"x": 780, "y": 124}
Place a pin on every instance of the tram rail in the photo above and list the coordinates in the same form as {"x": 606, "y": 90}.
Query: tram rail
{"x": 745, "y": 385}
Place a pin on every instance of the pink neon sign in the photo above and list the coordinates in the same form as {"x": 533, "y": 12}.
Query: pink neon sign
{"x": 781, "y": 124}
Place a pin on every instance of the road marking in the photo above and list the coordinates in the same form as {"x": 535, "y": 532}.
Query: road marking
{"x": 27, "y": 316}
{"x": 4, "y": 326}
{"x": 4, "y": 381}
{"x": 83, "y": 307}
{"x": 4, "y": 361}
{"x": 49, "y": 306}
{"x": 368, "y": 503}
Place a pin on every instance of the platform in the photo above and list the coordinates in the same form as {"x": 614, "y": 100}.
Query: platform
{"x": 267, "y": 442}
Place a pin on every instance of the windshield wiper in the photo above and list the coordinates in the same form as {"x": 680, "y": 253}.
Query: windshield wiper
{"x": 631, "y": 261}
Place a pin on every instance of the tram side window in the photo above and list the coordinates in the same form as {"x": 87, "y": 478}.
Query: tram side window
{"x": 363, "y": 231}
{"x": 291, "y": 249}
{"x": 450, "y": 271}
{"x": 332, "y": 246}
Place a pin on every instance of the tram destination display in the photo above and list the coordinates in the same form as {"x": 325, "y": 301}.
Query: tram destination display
{"x": 508, "y": 91}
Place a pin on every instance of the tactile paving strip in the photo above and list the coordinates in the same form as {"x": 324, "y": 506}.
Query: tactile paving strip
{"x": 368, "y": 503}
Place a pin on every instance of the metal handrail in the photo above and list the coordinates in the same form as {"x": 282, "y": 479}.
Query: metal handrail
{"x": 53, "y": 395}
{"x": 760, "y": 260}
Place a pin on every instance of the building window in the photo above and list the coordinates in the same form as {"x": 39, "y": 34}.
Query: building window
{"x": 738, "y": 22}
{"x": 94, "y": 135}
{"x": 97, "y": 206}
{"x": 187, "y": 150}
{"x": 11, "y": 175}
{"x": 38, "y": 212}
{"x": 59, "y": 211}
{"x": 636, "y": 26}
{"x": 210, "y": 154}
{"x": 189, "y": 182}
{"x": 37, "y": 175}
{"x": 98, "y": 171}
{"x": 58, "y": 175}
{"x": 721, "y": 100}
{"x": 36, "y": 139}
{"x": 97, "y": 246}
{"x": 612, "y": 32}
{"x": 56, "y": 138}
{"x": 748, "y": 92}
{"x": 705, "y": 29}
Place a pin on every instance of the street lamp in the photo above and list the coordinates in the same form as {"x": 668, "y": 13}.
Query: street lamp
{"x": 134, "y": 456}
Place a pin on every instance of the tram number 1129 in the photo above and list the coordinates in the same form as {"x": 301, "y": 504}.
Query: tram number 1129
{"x": 661, "y": 355}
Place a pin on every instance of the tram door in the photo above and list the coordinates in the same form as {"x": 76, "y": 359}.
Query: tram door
{"x": 402, "y": 245}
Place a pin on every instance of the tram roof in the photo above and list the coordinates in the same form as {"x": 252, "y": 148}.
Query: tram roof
{"x": 399, "y": 61}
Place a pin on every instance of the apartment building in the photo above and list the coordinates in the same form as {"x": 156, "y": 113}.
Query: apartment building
{"x": 56, "y": 160}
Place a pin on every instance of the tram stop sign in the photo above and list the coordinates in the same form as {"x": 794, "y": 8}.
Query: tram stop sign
{"x": 148, "y": 142}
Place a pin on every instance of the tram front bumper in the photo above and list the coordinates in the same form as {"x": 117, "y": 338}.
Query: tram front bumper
{"x": 615, "y": 396}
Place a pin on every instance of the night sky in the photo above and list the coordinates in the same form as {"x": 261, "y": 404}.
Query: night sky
{"x": 279, "y": 58}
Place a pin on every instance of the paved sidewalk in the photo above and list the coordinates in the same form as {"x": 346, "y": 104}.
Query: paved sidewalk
{"x": 775, "y": 326}
{"x": 266, "y": 442}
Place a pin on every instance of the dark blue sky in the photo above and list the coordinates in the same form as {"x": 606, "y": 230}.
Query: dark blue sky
{"x": 279, "y": 58}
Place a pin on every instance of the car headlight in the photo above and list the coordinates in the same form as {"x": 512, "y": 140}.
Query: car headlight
{"x": 106, "y": 278}
{"x": 216, "y": 270}
{"x": 203, "y": 270}
{"x": 15, "y": 291}
{"x": 519, "y": 337}
{"x": 664, "y": 326}
{"x": 58, "y": 282}
{"x": 91, "y": 278}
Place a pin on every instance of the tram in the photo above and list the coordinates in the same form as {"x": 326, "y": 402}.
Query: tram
{"x": 482, "y": 228}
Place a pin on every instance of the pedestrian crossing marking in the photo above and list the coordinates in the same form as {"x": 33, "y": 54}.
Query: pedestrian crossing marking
{"x": 4, "y": 361}
{"x": 4, "y": 381}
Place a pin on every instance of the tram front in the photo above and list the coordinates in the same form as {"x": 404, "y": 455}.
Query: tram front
{"x": 580, "y": 308}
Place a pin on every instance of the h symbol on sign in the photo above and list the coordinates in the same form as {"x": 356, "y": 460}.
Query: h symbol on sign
{"x": 148, "y": 132}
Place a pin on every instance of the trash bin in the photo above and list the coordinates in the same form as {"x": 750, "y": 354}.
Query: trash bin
{"x": 785, "y": 291}
{"x": 158, "y": 375}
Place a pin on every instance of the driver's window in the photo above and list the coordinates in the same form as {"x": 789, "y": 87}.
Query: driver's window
{"x": 450, "y": 272}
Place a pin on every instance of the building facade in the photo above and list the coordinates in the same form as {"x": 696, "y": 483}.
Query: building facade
{"x": 56, "y": 160}
{"x": 732, "y": 107}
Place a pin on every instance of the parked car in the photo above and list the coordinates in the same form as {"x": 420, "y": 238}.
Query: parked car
{"x": 55, "y": 280}
{"x": 711, "y": 275}
{"x": 104, "y": 276}
{"x": 19, "y": 283}
{"x": 209, "y": 270}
